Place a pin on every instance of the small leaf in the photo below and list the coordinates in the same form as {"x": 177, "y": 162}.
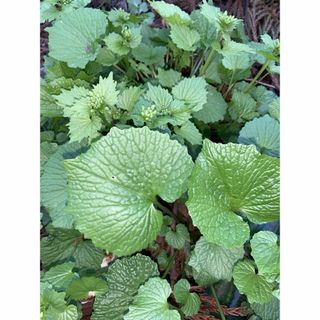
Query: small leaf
{"x": 87, "y": 287}
{"x": 181, "y": 291}
{"x": 60, "y": 276}
{"x": 242, "y": 107}
{"x": 151, "y": 302}
{"x": 184, "y": 37}
{"x": 264, "y": 133}
{"x": 267, "y": 311}
{"x": 253, "y": 285}
{"x": 212, "y": 263}
{"x": 266, "y": 254}
{"x": 189, "y": 132}
{"x": 168, "y": 78}
{"x": 129, "y": 97}
{"x": 176, "y": 239}
{"x": 215, "y": 108}
{"x": 192, "y": 305}
{"x": 149, "y": 55}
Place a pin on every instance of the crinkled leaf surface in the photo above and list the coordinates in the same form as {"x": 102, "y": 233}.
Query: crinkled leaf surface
{"x": 151, "y": 302}
{"x": 60, "y": 276}
{"x": 72, "y": 38}
{"x": 168, "y": 78}
{"x": 54, "y": 184}
{"x": 234, "y": 178}
{"x": 184, "y": 37}
{"x": 112, "y": 187}
{"x": 87, "y": 286}
{"x": 264, "y": 133}
{"x": 215, "y": 108}
{"x": 266, "y": 254}
{"x": 192, "y": 91}
{"x": 253, "y": 285}
{"x": 124, "y": 278}
{"x": 212, "y": 263}
{"x": 65, "y": 244}
{"x": 177, "y": 238}
{"x": 269, "y": 310}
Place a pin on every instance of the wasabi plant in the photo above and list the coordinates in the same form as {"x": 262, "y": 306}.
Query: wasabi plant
{"x": 159, "y": 165}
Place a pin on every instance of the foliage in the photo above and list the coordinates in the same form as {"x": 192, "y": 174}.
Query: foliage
{"x": 159, "y": 158}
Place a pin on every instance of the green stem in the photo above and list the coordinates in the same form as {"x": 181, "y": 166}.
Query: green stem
{"x": 170, "y": 263}
{"x": 264, "y": 67}
{"x": 118, "y": 68}
{"x": 210, "y": 56}
{"x": 163, "y": 208}
{"x": 218, "y": 303}
{"x": 230, "y": 84}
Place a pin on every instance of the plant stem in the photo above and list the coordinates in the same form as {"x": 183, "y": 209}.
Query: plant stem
{"x": 264, "y": 67}
{"x": 218, "y": 303}
{"x": 230, "y": 85}
{"x": 208, "y": 60}
{"x": 118, "y": 68}
{"x": 170, "y": 263}
{"x": 163, "y": 208}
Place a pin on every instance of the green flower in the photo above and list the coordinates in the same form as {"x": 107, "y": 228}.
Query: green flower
{"x": 148, "y": 114}
{"x": 226, "y": 23}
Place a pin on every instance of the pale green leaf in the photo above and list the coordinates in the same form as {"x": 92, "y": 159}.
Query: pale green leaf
{"x": 264, "y": 133}
{"x": 106, "y": 57}
{"x": 181, "y": 291}
{"x": 192, "y": 305}
{"x": 210, "y": 12}
{"x": 60, "y": 276}
{"x": 87, "y": 287}
{"x": 46, "y": 151}
{"x": 73, "y": 38}
{"x": 159, "y": 96}
{"x": 266, "y": 254}
{"x": 177, "y": 238}
{"x": 168, "y": 78}
{"x": 129, "y": 97}
{"x": 184, "y": 37}
{"x": 69, "y": 313}
{"x": 267, "y": 311}
{"x": 151, "y": 302}
{"x": 215, "y": 108}
{"x": 212, "y": 263}
{"x": 124, "y": 278}
{"x": 116, "y": 183}
{"x": 171, "y": 13}
{"x": 192, "y": 91}
{"x": 274, "y": 109}
{"x": 149, "y": 55}
{"x": 234, "y": 178}
{"x": 253, "y": 285}
{"x": 106, "y": 89}
{"x": 242, "y": 107}
{"x": 189, "y": 132}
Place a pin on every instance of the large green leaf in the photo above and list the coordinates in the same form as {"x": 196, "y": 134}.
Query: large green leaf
{"x": 269, "y": 310}
{"x": 113, "y": 187}
{"x": 253, "y": 285}
{"x": 124, "y": 278}
{"x": 73, "y": 38}
{"x": 151, "y": 302}
{"x": 215, "y": 108}
{"x": 264, "y": 133}
{"x": 266, "y": 254}
{"x": 87, "y": 287}
{"x": 54, "y": 185}
{"x": 229, "y": 179}
{"x": 212, "y": 263}
{"x": 184, "y": 37}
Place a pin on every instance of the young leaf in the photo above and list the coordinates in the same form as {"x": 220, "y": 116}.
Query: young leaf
{"x": 73, "y": 38}
{"x": 266, "y": 254}
{"x": 176, "y": 239}
{"x": 171, "y": 13}
{"x": 242, "y": 107}
{"x": 87, "y": 287}
{"x": 149, "y": 55}
{"x": 235, "y": 178}
{"x": 126, "y": 184}
{"x": 128, "y": 98}
{"x": 264, "y": 133}
{"x": 184, "y": 37}
{"x": 253, "y": 285}
{"x": 151, "y": 302}
{"x": 192, "y": 91}
{"x": 124, "y": 277}
{"x": 60, "y": 276}
{"x": 189, "y": 132}
{"x": 274, "y": 109}
{"x": 212, "y": 263}
{"x": 215, "y": 108}
{"x": 168, "y": 78}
